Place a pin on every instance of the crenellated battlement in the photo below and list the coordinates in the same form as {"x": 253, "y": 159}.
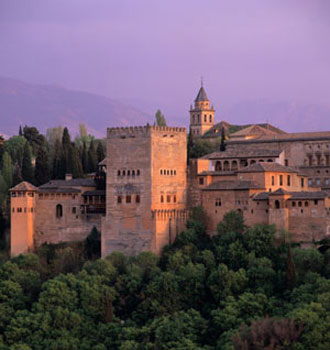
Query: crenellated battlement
{"x": 133, "y": 131}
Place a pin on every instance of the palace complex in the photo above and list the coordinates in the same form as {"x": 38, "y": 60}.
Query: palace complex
{"x": 270, "y": 176}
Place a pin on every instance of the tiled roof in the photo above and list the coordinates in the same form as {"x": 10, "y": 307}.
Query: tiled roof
{"x": 94, "y": 193}
{"x": 294, "y": 195}
{"x": 267, "y": 166}
{"x": 243, "y": 154}
{"x": 24, "y": 186}
{"x": 254, "y": 130}
{"x": 201, "y": 96}
{"x": 232, "y": 185}
{"x": 217, "y": 173}
{"x": 68, "y": 183}
{"x": 59, "y": 190}
{"x": 261, "y": 196}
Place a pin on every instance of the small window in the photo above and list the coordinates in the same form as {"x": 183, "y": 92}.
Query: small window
{"x": 299, "y": 204}
{"x": 316, "y": 201}
{"x": 286, "y": 162}
{"x": 310, "y": 182}
{"x": 289, "y": 180}
{"x": 128, "y": 173}
{"x": 128, "y": 199}
{"x": 133, "y": 172}
{"x": 210, "y": 118}
{"x": 119, "y": 199}
{"x": 168, "y": 172}
{"x": 118, "y": 173}
{"x": 124, "y": 172}
{"x": 201, "y": 181}
{"x": 59, "y": 211}
{"x": 277, "y": 204}
{"x": 273, "y": 180}
{"x": 174, "y": 172}
{"x": 138, "y": 172}
{"x": 205, "y": 118}
{"x": 161, "y": 172}
{"x": 25, "y": 210}
{"x": 137, "y": 199}
{"x": 74, "y": 210}
{"x": 302, "y": 182}
{"x": 281, "y": 180}
{"x": 306, "y": 204}
{"x": 162, "y": 199}
{"x": 13, "y": 210}
{"x": 174, "y": 198}
{"x": 293, "y": 204}
{"x": 318, "y": 181}
{"x": 168, "y": 198}
{"x": 171, "y": 172}
{"x": 326, "y": 181}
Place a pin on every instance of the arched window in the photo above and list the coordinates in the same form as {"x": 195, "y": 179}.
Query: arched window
{"x": 252, "y": 162}
{"x": 59, "y": 211}
{"x": 277, "y": 204}
{"x": 119, "y": 199}
{"x": 306, "y": 204}
{"x": 210, "y": 118}
{"x": 226, "y": 165}
{"x": 270, "y": 160}
{"x": 234, "y": 165}
{"x": 124, "y": 172}
{"x": 138, "y": 172}
{"x": 174, "y": 198}
{"x": 133, "y": 172}
{"x": 218, "y": 166}
{"x": 118, "y": 173}
{"x": 161, "y": 172}
{"x": 128, "y": 199}
{"x": 137, "y": 198}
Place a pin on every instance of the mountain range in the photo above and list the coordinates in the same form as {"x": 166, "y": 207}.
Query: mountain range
{"x": 46, "y": 106}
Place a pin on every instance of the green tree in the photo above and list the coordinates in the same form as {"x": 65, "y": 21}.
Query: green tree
{"x": 74, "y": 163}
{"x": 160, "y": 118}
{"x": 56, "y": 163}
{"x": 27, "y": 168}
{"x": 7, "y": 169}
{"x": 100, "y": 152}
{"x": 290, "y": 272}
{"x": 84, "y": 158}
{"x": 41, "y": 173}
{"x": 223, "y": 140}
{"x": 92, "y": 158}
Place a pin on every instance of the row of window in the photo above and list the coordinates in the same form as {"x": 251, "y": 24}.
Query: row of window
{"x": 288, "y": 180}
{"x": 128, "y": 172}
{"x": 197, "y": 118}
{"x": 128, "y": 199}
{"x": 233, "y": 165}
{"x": 169, "y": 198}
{"x": 167, "y": 172}
{"x": 319, "y": 182}
{"x": 20, "y": 210}
{"x": 22, "y": 194}
{"x": 318, "y": 160}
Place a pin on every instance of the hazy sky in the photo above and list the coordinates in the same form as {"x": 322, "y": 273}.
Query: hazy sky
{"x": 155, "y": 51}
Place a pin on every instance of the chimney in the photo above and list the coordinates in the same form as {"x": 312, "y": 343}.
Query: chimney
{"x": 68, "y": 177}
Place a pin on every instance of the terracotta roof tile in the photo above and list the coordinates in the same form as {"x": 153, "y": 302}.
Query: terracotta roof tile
{"x": 24, "y": 186}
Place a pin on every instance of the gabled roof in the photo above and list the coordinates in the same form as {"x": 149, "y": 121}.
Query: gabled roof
{"x": 24, "y": 186}
{"x": 254, "y": 130}
{"x": 201, "y": 96}
{"x": 265, "y": 167}
{"x": 279, "y": 192}
{"x": 294, "y": 195}
{"x": 233, "y": 185}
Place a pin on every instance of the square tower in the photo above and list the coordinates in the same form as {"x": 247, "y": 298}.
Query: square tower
{"x": 146, "y": 188}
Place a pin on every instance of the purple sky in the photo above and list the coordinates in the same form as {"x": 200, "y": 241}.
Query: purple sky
{"x": 153, "y": 52}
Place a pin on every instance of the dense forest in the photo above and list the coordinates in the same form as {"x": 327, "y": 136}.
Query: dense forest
{"x": 235, "y": 291}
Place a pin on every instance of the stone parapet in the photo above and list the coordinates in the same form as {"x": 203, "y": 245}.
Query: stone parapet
{"x": 141, "y": 130}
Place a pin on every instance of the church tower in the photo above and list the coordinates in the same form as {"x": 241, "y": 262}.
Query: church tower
{"x": 202, "y": 115}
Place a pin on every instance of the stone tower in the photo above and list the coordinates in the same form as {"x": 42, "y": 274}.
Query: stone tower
{"x": 202, "y": 115}
{"x": 23, "y": 208}
{"x": 146, "y": 188}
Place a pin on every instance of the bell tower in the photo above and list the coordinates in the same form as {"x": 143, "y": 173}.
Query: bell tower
{"x": 202, "y": 115}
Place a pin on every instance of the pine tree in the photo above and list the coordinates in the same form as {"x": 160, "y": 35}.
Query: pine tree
{"x": 27, "y": 168}
{"x": 41, "y": 170}
{"x": 7, "y": 169}
{"x": 66, "y": 139}
{"x": 100, "y": 152}
{"x": 65, "y": 165}
{"x": 223, "y": 140}
{"x": 92, "y": 158}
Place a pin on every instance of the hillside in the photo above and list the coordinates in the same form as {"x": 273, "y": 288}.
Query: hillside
{"x": 46, "y": 106}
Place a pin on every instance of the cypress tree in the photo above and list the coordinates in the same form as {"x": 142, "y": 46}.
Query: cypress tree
{"x": 75, "y": 163}
{"x": 7, "y": 169}
{"x": 66, "y": 139}
{"x": 27, "y": 168}
{"x": 84, "y": 158}
{"x": 223, "y": 140}
{"x": 100, "y": 152}
{"x": 41, "y": 170}
{"x": 20, "y": 132}
{"x": 190, "y": 145}
{"x": 17, "y": 175}
{"x": 92, "y": 158}
{"x": 65, "y": 166}
{"x": 56, "y": 165}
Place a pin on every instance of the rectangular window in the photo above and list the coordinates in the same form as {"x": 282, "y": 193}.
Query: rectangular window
{"x": 168, "y": 198}
{"x": 289, "y": 180}
{"x": 318, "y": 181}
{"x": 128, "y": 199}
{"x": 281, "y": 180}
{"x": 310, "y": 182}
{"x": 286, "y": 162}
{"x": 201, "y": 181}
{"x": 326, "y": 181}
{"x": 119, "y": 199}
{"x": 310, "y": 160}
{"x": 273, "y": 180}
{"x": 302, "y": 181}
{"x": 162, "y": 199}
{"x": 174, "y": 198}
{"x": 137, "y": 198}
{"x": 316, "y": 202}
{"x": 74, "y": 210}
